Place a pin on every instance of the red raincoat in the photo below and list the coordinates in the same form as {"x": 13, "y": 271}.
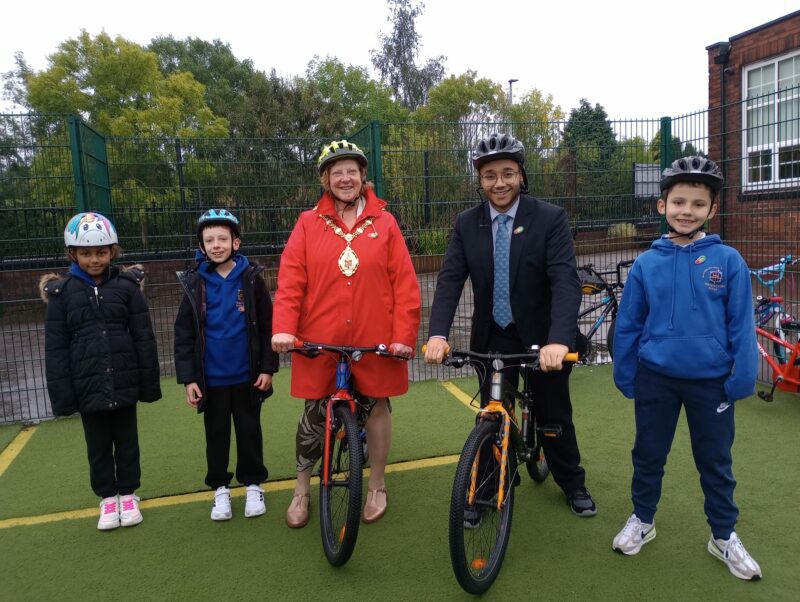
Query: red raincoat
{"x": 316, "y": 302}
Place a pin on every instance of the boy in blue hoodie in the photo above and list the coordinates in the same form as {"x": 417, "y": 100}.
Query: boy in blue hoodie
{"x": 685, "y": 336}
{"x": 224, "y": 357}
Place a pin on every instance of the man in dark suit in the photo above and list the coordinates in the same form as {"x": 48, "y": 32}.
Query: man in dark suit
{"x": 518, "y": 254}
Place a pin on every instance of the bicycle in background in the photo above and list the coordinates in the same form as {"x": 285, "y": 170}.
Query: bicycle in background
{"x": 482, "y": 500}
{"x": 343, "y": 453}
{"x": 594, "y": 283}
{"x": 775, "y": 325}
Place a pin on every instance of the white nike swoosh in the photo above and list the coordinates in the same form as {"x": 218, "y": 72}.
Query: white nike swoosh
{"x": 722, "y": 407}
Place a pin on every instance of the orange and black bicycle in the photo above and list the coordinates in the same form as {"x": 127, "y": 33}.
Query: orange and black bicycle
{"x": 343, "y": 453}
{"x": 482, "y": 501}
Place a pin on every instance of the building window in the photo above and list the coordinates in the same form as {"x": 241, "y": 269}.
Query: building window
{"x": 772, "y": 123}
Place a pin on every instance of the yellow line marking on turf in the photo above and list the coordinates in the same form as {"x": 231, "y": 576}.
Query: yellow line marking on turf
{"x": 459, "y": 395}
{"x": 10, "y": 453}
{"x": 205, "y": 496}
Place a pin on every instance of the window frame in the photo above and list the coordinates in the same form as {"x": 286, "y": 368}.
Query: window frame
{"x": 774, "y": 148}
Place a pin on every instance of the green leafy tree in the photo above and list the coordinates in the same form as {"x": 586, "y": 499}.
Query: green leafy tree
{"x": 462, "y": 98}
{"x": 679, "y": 149}
{"x": 117, "y": 87}
{"x": 588, "y": 147}
{"x": 227, "y": 80}
{"x": 396, "y": 60}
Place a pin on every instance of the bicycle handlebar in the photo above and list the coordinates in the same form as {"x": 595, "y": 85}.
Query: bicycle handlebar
{"x": 777, "y": 270}
{"x": 355, "y": 353}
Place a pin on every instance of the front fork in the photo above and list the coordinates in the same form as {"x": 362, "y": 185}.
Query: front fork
{"x": 340, "y": 396}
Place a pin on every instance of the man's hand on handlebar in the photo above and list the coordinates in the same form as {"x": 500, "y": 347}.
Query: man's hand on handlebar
{"x": 435, "y": 350}
{"x": 551, "y": 357}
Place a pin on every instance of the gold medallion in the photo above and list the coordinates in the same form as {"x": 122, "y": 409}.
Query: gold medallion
{"x": 348, "y": 261}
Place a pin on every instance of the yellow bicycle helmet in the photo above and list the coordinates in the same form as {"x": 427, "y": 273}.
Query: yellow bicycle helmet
{"x": 340, "y": 149}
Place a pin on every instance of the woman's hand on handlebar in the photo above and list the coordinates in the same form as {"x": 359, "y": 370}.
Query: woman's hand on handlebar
{"x": 401, "y": 350}
{"x": 282, "y": 342}
{"x": 551, "y": 357}
{"x": 435, "y": 350}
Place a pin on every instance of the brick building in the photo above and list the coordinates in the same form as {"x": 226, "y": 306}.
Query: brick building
{"x": 754, "y": 127}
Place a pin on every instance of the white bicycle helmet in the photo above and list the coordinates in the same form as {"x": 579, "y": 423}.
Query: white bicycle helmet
{"x": 90, "y": 229}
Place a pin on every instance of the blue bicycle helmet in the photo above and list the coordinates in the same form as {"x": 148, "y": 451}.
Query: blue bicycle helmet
{"x": 218, "y": 217}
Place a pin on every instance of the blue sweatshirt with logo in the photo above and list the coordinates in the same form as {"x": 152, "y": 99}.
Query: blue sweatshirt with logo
{"x": 226, "y": 360}
{"x": 687, "y": 312}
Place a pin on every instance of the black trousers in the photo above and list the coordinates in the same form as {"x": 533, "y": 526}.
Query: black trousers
{"x": 112, "y": 444}
{"x": 552, "y": 404}
{"x": 222, "y": 404}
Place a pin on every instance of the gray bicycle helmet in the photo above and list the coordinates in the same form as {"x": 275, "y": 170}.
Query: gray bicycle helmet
{"x": 498, "y": 146}
{"x": 693, "y": 169}
{"x": 501, "y": 146}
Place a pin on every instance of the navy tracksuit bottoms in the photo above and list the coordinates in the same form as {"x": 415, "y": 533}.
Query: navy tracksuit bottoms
{"x": 658, "y": 401}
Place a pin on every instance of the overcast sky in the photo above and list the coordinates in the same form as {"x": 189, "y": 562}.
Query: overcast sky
{"x": 639, "y": 59}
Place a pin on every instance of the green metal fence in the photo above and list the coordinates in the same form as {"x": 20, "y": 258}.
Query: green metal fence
{"x": 604, "y": 174}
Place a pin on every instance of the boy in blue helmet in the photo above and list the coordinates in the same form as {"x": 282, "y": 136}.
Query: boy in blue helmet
{"x": 224, "y": 357}
{"x": 685, "y": 336}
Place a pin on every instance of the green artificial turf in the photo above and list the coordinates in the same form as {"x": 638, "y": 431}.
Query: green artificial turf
{"x": 7, "y": 434}
{"x": 178, "y": 553}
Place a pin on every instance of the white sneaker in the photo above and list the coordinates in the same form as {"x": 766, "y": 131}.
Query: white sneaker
{"x": 731, "y": 552}
{"x": 109, "y": 514}
{"x": 129, "y": 513}
{"x": 255, "y": 505}
{"x": 221, "y": 510}
{"x": 633, "y": 536}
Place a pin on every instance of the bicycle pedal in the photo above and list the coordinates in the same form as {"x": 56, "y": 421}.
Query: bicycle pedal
{"x": 765, "y": 396}
{"x": 551, "y": 431}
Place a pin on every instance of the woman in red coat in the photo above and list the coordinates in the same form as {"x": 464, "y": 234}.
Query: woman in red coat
{"x": 361, "y": 292}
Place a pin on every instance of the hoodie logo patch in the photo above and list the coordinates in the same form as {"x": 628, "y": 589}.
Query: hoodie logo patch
{"x": 240, "y": 300}
{"x": 699, "y": 260}
{"x": 713, "y": 278}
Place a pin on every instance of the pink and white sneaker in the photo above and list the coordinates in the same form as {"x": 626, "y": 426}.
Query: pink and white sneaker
{"x": 109, "y": 514}
{"x": 129, "y": 514}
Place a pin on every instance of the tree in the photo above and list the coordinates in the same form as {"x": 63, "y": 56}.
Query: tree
{"x": 678, "y": 149}
{"x": 348, "y": 97}
{"x": 117, "y": 87}
{"x": 396, "y": 60}
{"x": 462, "y": 98}
{"x": 226, "y": 79}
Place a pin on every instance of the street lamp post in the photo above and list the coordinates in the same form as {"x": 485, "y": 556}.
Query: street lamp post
{"x": 511, "y": 91}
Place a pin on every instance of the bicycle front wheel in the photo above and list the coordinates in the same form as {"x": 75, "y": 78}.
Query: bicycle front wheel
{"x": 479, "y": 530}
{"x": 340, "y": 499}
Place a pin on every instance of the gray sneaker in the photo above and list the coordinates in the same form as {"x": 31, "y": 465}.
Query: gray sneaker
{"x": 633, "y": 536}
{"x": 732, "y": 552}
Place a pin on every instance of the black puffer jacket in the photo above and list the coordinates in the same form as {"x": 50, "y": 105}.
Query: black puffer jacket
{"x": 100, "y": 349}
{"x": 190, "y": 331}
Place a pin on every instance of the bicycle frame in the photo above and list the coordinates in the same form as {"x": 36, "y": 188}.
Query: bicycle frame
{"x": 780, "y": 372}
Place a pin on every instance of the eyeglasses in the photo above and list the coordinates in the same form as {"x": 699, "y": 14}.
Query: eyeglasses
{"x": 491, "y": 177}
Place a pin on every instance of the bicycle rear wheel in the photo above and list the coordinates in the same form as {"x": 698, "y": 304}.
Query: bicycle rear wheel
{"x": 340, "y": 500}
{"x": 537, "y": 466}
{"x": 479, "y": 531}
{"x": 789, "y": 333}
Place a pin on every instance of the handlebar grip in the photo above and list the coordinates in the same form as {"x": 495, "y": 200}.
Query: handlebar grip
{"x": 425, "y": 347}
{"x": 571, "y": 357}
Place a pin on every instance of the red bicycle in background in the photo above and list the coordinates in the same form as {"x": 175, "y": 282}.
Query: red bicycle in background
{"x": 778, "y": 330}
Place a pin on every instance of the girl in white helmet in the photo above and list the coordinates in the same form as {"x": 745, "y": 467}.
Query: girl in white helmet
{"x": 101, "y": 358}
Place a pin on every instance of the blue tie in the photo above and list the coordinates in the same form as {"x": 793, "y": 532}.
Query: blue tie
{"x": 502, "y": 302}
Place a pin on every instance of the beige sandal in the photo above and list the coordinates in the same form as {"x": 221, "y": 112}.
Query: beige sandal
{"x": 377, "y": 502}
{"x": 297, "y": 514}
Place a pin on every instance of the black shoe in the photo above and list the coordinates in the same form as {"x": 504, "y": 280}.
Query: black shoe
{"x": 581, "y": 502}
{"x": 472, "y": 518}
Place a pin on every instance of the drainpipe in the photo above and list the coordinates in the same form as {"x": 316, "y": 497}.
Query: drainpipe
{"x": 724, "y": 69}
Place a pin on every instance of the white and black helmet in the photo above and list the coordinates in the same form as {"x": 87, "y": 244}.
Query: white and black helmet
{"x": 90, "y": 229}
{"x": 693, "y": 169}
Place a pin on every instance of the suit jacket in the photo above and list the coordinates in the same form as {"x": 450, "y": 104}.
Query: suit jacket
{"x": 545, "y": 289}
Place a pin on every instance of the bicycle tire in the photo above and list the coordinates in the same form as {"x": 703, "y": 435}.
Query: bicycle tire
{"x": 610, "y": 338}
{"x": 340, "y": 500}
{"x": 476, "y": 553}
{"x": 538, "y": 469}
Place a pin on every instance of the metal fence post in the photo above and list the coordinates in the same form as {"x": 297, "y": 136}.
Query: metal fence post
{"x": 73, "y": 122}
{"x": 426, "y": 198}
{"x": 665, "y": 155}
{"x": 375, "y": 151}
{"x": 179, "y": 163}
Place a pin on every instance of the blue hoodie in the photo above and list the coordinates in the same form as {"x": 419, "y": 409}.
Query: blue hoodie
{"x": 687, "y": 312}
{"x": 226, "y": 360}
